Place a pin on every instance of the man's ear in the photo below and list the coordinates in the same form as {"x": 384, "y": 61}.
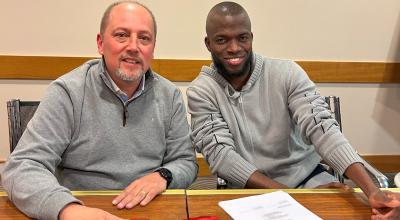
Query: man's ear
{"x": 100, "y": 44}
{"x": 207, "y": 43}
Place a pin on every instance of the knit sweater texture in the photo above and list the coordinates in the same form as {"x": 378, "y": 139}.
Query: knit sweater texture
{"x": 77, "y": 141}
{"x": 277, "y": 124}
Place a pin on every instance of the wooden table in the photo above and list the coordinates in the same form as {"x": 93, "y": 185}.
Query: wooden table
{"x": 326, "y": 203}
{"x": 169, "y": 205}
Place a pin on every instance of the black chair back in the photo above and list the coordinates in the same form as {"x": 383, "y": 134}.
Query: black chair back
{"x": 19, "y": 114}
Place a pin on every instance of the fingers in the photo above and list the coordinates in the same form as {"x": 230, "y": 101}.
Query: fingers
{"x": 140, "y": 196}
{"x": 141, "y": 191}
{"x": 385, "y": 205}
{"x": 334, "y": 185}
{"x": 341, "y": 186}
{"x": 76, "y": 211}
{"x": 387, "y": 213}
{"x": 150, "y": 196}
{"x": 129, "y": 198}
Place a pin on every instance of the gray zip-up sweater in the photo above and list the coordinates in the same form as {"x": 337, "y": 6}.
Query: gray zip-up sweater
{"x": 77, "y": 140}
{"x": 268, "y": 126}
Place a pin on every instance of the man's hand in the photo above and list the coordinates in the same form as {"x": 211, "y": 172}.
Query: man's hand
{"x": 141, "y": 191}
{"x": 75, "y": 211}
{"x": 334, "y": 185}
{"x": 385, "y": 205}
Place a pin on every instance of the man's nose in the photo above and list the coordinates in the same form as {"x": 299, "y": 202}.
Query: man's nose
{"x": 233, "y": 46}
{"x": 132, "y": 43}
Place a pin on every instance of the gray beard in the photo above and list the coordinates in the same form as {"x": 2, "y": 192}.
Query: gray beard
{"x": 123, "y": 76}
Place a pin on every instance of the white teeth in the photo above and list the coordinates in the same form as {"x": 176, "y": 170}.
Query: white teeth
{"x": 234, "y": 59}
{"x": 131, "y": 61}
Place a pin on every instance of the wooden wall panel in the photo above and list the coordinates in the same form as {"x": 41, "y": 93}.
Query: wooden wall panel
{"x": 355, "y": 72}
{"x": 41, "y": 67}
{"x": 37, "y": 67}
{"x": 384, "y": 163}
{"x": 181, "y": 70}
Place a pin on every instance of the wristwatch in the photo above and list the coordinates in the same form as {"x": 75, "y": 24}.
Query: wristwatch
{"x": 166, "y": 174}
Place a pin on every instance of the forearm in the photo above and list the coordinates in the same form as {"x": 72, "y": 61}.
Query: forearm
{"x": 357, "y": 173}
{"x": 42, "y": 201}
{"x": 258, "y": 180}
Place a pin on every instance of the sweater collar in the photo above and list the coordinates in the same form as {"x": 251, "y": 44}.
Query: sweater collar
{"x": 145, "y": 84}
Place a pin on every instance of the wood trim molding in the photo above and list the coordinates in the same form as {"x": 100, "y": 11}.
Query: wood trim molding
{"x": 352, "y": 72}
{"x": 37, "y": 67}
{"x": 51, "y": 67}
{"x": 384, "y": 163}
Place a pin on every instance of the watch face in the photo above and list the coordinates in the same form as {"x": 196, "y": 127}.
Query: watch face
{"x": 166, "y": 174}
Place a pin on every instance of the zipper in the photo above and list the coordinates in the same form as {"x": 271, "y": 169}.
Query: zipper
{"x": 125, "y": 115}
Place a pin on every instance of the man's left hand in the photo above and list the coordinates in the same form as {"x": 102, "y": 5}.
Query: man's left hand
{"x": 335, "y": 185}
{"x": 385, "y": 205}
{"x": 141, "y": 191}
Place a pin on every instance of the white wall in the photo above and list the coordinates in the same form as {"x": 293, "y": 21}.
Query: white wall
{"x": 340, "y": 30}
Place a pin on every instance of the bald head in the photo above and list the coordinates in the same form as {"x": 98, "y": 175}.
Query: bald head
{"x": 225, "y": 9}
{"x": 106, "y": 15}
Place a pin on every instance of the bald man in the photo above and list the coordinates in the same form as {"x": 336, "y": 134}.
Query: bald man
{"x": 112, "y": 123}
{"x": 260, "y": 123}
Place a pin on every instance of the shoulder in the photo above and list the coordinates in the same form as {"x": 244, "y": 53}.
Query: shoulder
{"x": 208, "y": 79}
{"x": 161, "y": 81}
{"x": 283, "y": 69}
{"x": 280, "y": 65}
{"x": 78, "y": 75}
{"x": 73, "y": 83}
{"x": 161, "y": 85}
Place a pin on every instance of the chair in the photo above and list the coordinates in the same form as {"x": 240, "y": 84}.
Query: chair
{"x": 19, "y": 114}
{"x": 379, "y": 178}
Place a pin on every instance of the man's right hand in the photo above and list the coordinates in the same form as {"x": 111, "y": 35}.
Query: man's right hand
{"x": 76, "y": 211}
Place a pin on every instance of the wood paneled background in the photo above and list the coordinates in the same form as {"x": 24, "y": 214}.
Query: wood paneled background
{"x": 50, "y": 67}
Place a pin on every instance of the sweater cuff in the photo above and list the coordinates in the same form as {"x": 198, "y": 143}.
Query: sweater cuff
{"x": 53, "y": 205}
{"x": 343, "y": 157}
{"x": 238, "y": 170}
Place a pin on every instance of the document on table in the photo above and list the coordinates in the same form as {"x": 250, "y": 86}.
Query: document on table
{"x": 272, "y": 206}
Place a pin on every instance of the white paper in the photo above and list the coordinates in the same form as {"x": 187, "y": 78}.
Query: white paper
{"x": 272, "y": 206}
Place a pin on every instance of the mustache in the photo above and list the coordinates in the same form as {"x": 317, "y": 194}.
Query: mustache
{"x": 131, "y": 57}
